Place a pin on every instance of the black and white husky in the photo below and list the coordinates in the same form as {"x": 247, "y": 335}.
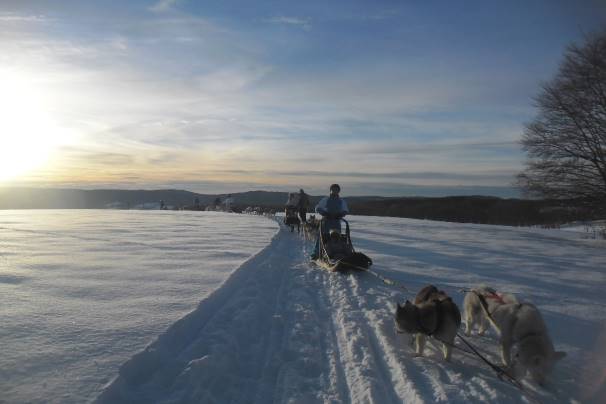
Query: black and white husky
{"x": 432, "y": 314}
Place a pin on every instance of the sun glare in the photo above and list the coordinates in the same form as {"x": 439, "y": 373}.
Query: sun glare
{"x": 28, "y": 135}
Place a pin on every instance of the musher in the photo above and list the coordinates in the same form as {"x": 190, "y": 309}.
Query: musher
{"x": 332, "y": 208}
{"x": 303, "y": 205}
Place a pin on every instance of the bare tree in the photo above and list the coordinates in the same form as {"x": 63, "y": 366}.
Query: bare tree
{"x": 566, "y": 141}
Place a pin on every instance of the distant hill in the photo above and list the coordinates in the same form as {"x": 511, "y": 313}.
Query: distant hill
{"x": 47, "y": 198}
{"x": 41, "y": 198}
{"x": 468, "y": 209}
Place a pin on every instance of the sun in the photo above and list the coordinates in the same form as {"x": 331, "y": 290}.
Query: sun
{"x": 28, "y": 135}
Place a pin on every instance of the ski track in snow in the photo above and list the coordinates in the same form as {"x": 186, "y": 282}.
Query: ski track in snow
{"x": 284, "y": 331}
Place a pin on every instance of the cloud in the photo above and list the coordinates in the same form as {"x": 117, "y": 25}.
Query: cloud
{"x": 495, "y": 176}
{"x": 95, "y": 157}
{"x": 432, "y": 148}
{"x": 22, "y": 18}
{"x": 304, "y": 23}
{"x": 163, "y": 5}
{"x": 447, "y": 176}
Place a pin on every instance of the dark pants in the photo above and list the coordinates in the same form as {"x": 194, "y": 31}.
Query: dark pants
{"x": 303, "y": 215}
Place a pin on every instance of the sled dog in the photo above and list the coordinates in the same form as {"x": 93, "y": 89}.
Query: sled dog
{"x": 525, "y": 344}
{"x": 474, "y": 315}
{"x": 310, "y": 228}
{"x": 432, "y": 314}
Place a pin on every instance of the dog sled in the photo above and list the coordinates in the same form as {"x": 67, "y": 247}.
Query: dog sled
{"x": 337, "y": 254}
{"x": 291, "y": 218}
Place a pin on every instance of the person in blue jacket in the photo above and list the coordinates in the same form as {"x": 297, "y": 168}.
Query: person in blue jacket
{"x": 332, "y": 208}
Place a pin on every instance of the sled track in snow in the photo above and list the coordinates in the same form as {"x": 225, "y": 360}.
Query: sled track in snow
{"x": 330, "y": 345}
{"x": 368, "y": 377}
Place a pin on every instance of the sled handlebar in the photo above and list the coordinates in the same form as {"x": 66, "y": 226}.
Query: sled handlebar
{"x": 347, "y": 232}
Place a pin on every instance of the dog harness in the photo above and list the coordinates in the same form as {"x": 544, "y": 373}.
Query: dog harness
{"x": 496, "y": 296}
{"x": 439, "y": 315}
{"x": 482, "y": 299}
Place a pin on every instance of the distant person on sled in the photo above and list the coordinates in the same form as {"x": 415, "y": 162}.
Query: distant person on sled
{"x": 333, "y": 209}
{"x": 291, "y": 208}
{"x": 291, "y": 211}
{"x": 303, "y": 205}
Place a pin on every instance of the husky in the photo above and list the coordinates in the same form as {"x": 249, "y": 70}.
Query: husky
{"x": 474, "y": 315}
{"x": 310, "y": 228}
{"x": 525, "y": 344}
{"x": 434, "y": 314}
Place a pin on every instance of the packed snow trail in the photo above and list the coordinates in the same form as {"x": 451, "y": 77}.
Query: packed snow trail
{"x": 284, "y": 331}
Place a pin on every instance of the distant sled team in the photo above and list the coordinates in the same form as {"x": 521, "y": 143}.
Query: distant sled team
{"x": 525, "y": 345}
{"x": 295, "y": 211}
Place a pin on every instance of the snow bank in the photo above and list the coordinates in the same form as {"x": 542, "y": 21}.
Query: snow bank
{"x": 82, "y": 291}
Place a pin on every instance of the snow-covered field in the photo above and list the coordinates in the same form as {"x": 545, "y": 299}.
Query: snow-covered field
{"x": 82, "y": 291}
{"x": 280, "y": 329}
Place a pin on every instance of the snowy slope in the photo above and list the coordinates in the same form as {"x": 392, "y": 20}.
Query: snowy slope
{"x": 281, "y": 330}
{"x": 83, "y": 290}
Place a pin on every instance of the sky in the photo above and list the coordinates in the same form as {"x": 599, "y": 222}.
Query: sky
{"x": 383, "y": 97}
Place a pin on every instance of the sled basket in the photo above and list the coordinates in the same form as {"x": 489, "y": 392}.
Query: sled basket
{"x": 349, "y": 261}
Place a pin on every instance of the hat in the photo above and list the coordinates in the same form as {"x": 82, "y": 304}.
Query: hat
{"x": 335, "y": 186}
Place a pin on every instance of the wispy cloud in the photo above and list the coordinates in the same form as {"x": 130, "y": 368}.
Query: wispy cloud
{"x": 163, "y": 5}
{"x": 495, "y": 176}
{"x": 22, "y": 18}
{"x": 433, "y": 148}
{"x": 304, "y": 23}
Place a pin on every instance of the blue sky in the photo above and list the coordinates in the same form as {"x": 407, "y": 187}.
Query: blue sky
{"x": 389, "y": 97}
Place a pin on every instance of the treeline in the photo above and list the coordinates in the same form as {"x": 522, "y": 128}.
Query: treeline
{"x": 474, "y": 209}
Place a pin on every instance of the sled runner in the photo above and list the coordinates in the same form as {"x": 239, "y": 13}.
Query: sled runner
{"x": 337, "y": 253}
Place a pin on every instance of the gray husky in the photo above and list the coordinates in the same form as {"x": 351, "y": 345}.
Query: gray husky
{"x": 432, "y": 314}
{"x": 474, "y": 314}
{"x": 525, "y": 344}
